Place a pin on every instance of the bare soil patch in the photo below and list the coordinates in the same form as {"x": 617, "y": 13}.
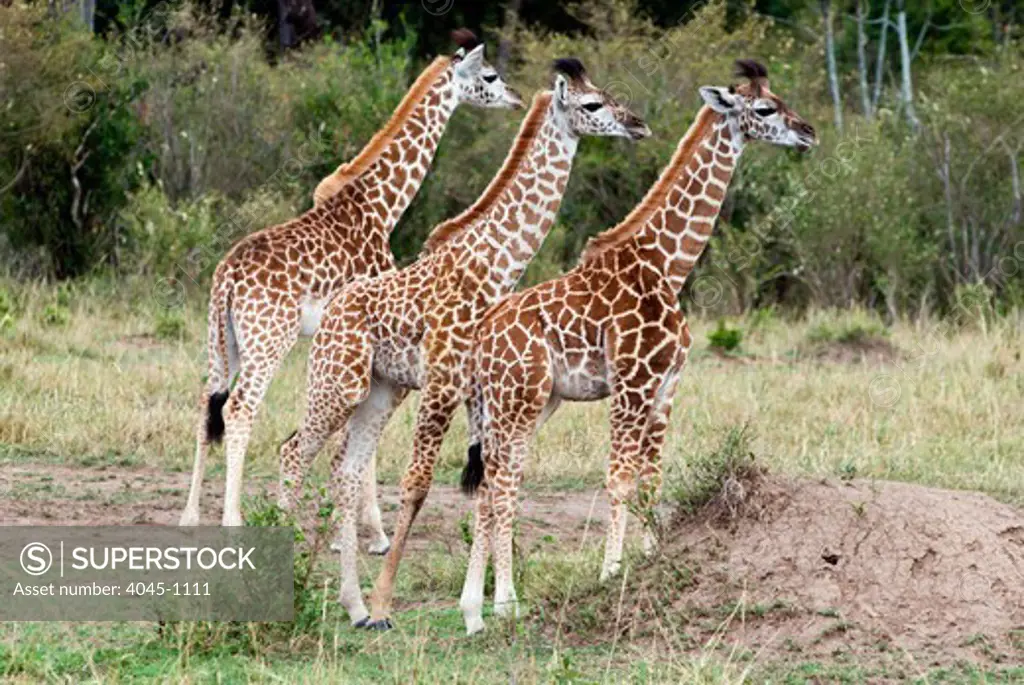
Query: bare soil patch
{"x": 53, "y": 495}
{"x": 877, "y": 572}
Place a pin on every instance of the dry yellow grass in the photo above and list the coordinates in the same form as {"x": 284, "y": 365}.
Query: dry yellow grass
{"x": 940, "y": 408}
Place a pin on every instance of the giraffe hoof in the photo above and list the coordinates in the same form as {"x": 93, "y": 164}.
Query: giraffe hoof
{"x": 361, "y": 623}
{"x": 381, "y": 625}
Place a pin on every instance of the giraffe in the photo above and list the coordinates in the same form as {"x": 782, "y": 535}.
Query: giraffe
{"x": 610, "y": 327}
{"x": 412, "y": 329}
{"x": 273, "y": 285}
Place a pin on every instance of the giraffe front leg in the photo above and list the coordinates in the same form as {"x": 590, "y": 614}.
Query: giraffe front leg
{"x": 630, "y": 412}
{"x": 437, "y": 406}
{"x": 650, "y": 479}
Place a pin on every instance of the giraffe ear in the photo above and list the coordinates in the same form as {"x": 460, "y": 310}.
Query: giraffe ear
{"x": 720, "y": 99}
{"x": 561, "y": 91}
{"x": 472, "y": 62}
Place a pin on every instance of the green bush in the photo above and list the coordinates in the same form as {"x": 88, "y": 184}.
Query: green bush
{"x": 855, "y": 326}
{"x": 180, "y": 147}
{"x": 725, "y": 338}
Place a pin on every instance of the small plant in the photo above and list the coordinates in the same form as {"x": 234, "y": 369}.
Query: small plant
{"x": 720, "y": 474}
{"x": 725, "y": 338}
{"x": 170, "y": 324}
{"x": 55, "y": 314}
{"x": 972, "y": 306}
{"x": 855, "y": 328}
{"x": 847, "y": 471}
{"x": 7, "y": 310}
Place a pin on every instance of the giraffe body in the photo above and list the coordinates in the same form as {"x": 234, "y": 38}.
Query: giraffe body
{"x": 273, "y": 285}
{"x": 412, "y": 329}
{"x": 610, "y": 328}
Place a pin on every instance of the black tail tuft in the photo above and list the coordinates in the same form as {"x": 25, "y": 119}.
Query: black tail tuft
{"x": 215, "y": 416}
{"x": 473, "y": 474}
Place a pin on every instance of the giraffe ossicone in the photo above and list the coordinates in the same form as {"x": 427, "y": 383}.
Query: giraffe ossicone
{"x": 610, "y": 327}
{"x": 272, "y": 285}
{"x": 412, "y": 329}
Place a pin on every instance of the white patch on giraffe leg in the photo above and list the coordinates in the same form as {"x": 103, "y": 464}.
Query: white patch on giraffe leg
{"x": 190, "y": 516}
{"x": 379, "y": 543}
{"x": 349, "y": 478}
{"x": 350, "y": 596}
{"x": 650, "y": 543}
{"x": 472, "y": 600}
{"x": 237, "y": 429}
{"x": 615, "y": 539}
{"x": 311, "y": 313}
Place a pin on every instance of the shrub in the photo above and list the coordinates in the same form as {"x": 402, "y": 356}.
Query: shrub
{"x": 725, "y": 338}
{"x": 852, "y": 327}
{"x": 707, "y": 476}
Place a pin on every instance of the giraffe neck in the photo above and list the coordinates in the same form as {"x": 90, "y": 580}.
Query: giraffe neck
{"x": 512, "y": 229}
{"x": 691, "y": 189}
{"x": 399, "y": 159}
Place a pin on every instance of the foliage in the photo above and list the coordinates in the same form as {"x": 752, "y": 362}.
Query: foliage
{"x": 183, "y": 135}
{"x": 725, "y": 338}
{"x": 852, "y": 327}
{"x": 709, "y": 475}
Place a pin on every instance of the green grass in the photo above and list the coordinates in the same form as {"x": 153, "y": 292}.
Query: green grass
{"x": 115, "y": 386}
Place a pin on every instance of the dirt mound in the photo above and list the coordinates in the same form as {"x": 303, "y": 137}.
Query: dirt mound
{"x": 914, "y": 575}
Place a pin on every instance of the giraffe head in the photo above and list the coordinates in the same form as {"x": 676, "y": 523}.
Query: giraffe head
{"x": 756, "y": 113}
{"x": 590, "y": 111}
{"x": 477, "y": 82}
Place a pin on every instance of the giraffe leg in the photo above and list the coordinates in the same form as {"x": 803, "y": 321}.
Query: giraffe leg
{"x": 630, "y": 412}
{"x": 222, "y": 367}
{"x": 190, "y": 516}
{"x": 472, "y": 601}
{"x": 298, "y": 452}
{"x": 371, "y": 520}
{"x": 379, "y": 543}
{"x": 650, "y": 480}
{"x": 259, "y": 364}
{"x": 504, "y": 502}
{"x": 440, "y": 399}
{"x": 348, "y": 478}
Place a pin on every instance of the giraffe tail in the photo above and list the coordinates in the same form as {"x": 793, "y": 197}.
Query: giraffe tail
{"x": 223, "y": 353}
{"x": 473, "y": 473}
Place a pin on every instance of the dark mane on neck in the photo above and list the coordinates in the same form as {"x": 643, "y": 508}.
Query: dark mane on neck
{"x": 514, "y": 161}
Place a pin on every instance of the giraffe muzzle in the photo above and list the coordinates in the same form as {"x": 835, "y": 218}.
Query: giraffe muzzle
{"x": 639, "y": 132}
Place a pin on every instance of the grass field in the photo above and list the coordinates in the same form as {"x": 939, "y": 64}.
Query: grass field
{"x": 106, "y": 379}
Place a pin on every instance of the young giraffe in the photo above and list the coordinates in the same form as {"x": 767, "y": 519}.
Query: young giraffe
{"x": 272, "y": 286}
{"x": 412, "y": 329}
{"x": 610, "y": 327}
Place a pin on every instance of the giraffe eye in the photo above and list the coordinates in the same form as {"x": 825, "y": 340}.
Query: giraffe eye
{"x": 592, "y": 106}
{"x": 491, "y": 78}
{"x": 764, "y": 111}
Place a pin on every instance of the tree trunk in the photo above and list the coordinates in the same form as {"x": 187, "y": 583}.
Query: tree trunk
{"x": 862, "y": 60}
{"x": 906, "y": 85}
{"x": 830, "y": 63}
{"x": 505, "y": 45}
{"x": 880, "y": 58}
{"x": 296, "y": 22}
